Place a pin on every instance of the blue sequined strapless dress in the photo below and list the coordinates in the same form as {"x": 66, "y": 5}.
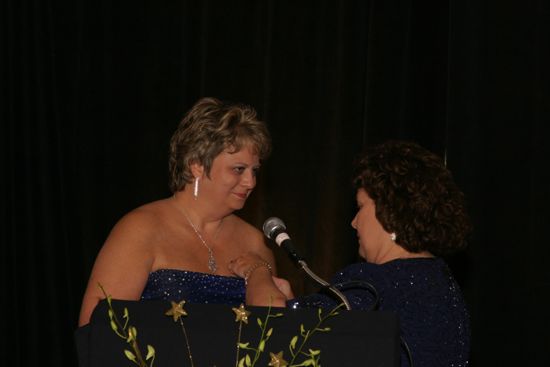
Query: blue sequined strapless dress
{"x": 193, "y": 287}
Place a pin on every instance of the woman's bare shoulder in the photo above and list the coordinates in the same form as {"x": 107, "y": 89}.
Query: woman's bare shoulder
{"x": 252, "y": 239}
{"x": 245, "y": 229}
{"x": 149, "y": 214}
{"x": 141, "y": 225}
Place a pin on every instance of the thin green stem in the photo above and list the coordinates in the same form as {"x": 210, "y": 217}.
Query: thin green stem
{"x": 263, "y": 328}
{"x": 309, "y": 333}
{"x": 238, "y": 342}
{"x": 187, "y": 343}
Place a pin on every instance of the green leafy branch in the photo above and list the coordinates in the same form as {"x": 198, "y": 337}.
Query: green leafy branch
{"x": 129, "y": 333}
{"x": 264, "y": 337}
{"x": 311, "y": 356}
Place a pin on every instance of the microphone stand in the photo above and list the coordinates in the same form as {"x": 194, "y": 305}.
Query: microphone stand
{"x": 275, "y": 229}
{"x": 314, "y": 276}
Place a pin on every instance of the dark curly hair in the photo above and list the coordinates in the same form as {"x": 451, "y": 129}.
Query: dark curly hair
{"x": 209, "y": 128}
{"x": 415, "y": 197}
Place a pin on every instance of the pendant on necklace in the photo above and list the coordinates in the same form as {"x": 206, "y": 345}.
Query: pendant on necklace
{"x": 212, "y": 266}
{"x": 212, "y": 263}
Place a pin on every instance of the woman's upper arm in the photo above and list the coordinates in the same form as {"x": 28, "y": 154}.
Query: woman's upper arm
{"x": 122, "y": 265}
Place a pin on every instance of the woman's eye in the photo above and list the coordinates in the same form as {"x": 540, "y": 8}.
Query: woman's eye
{"x": 239, "y": 169}
{"x": 255, "y": 171}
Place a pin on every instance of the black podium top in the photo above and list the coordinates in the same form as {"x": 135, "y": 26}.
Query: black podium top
{"x": 356, "y": 338}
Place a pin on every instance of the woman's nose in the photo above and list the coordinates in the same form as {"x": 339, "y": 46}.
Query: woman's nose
{"x": 249, "y": 179}
{"x": 354, "y": 222}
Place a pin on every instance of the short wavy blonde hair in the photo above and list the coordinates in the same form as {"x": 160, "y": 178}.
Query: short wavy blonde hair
{"x": 209, "y": 128}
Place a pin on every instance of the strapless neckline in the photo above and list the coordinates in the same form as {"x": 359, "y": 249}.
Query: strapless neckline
{"x": 197, "y": 273}
{"x": 194, "y": 287}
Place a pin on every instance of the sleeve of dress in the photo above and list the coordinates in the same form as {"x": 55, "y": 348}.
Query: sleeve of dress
{"x": 356, "y": 283}
{"x": 315, "y": 300}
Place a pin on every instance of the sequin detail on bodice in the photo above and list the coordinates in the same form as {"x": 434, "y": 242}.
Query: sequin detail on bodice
{"x": 194, "y": 287}
{"x": 433, "y": 316}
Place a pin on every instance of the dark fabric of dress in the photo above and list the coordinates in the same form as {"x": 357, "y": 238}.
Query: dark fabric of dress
{"x": 433, "y": 315}
{"x": 193, "y": 287}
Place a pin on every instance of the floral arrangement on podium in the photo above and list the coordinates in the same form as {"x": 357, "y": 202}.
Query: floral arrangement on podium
{"x": 247, "y": 353}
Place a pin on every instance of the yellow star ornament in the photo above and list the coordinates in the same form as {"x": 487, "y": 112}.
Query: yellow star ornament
{"x": 241, "y": 314}
{"x": 277, "y": 360}
{"x": 176, "y": 311}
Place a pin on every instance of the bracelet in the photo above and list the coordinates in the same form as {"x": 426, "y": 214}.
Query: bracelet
{"x": 254, "y": 267}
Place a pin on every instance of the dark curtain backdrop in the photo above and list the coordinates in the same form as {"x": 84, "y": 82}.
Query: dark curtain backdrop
{"x": 92, "y": 91}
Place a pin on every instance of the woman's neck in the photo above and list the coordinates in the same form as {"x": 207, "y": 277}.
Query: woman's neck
{"x": 199, "y": 213}
{"x": 398, "y": 252}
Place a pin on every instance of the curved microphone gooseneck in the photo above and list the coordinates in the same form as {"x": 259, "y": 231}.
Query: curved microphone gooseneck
{"x": 275, "y": 229}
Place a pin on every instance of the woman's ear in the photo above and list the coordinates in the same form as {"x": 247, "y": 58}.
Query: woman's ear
{"x": 197, "y": 169}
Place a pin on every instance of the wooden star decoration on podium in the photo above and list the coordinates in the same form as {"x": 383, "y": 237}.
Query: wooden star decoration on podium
{"x": 176, "y": 311}
{"x": 241, "y": 314}
{"x": 277, "y": 360}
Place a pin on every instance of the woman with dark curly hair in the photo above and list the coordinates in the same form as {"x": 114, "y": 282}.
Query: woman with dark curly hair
{"x": 180, "y": 246}
{"x": 410, "y": 213}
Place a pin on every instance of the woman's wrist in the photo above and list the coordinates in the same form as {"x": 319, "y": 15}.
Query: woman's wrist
{"x": 254, "y": 267}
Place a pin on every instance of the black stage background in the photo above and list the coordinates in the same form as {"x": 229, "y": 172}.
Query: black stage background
{"x": 91, "y": 92}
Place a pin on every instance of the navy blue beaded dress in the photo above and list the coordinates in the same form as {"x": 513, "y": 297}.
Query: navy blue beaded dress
{"x": 432, "y": 313}
{"x": 193, "y": 287}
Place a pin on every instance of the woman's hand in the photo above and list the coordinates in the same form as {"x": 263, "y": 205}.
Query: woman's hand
{"x": 284, "y": 286}
{"x": 242, "y": 264}
{"x": 261, "y": 288}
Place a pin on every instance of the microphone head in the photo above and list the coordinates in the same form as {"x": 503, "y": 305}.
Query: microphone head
{"x": 273, "y": 226}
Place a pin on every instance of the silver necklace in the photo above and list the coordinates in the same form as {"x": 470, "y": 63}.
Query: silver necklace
{"x": 212, "y": 266}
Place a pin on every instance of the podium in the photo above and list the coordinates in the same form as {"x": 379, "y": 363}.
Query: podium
{"x": 356, "y": 338}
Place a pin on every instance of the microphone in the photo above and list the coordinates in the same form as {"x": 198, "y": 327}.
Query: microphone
{"x": 275, "y": 229}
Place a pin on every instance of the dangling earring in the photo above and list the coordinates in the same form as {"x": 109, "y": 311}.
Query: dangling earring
{"x": 196, "y": 189}
{"x": 393, "y": 236}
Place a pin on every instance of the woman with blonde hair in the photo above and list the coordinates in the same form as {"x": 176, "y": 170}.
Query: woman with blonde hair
{"x": 179, "y": 247}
